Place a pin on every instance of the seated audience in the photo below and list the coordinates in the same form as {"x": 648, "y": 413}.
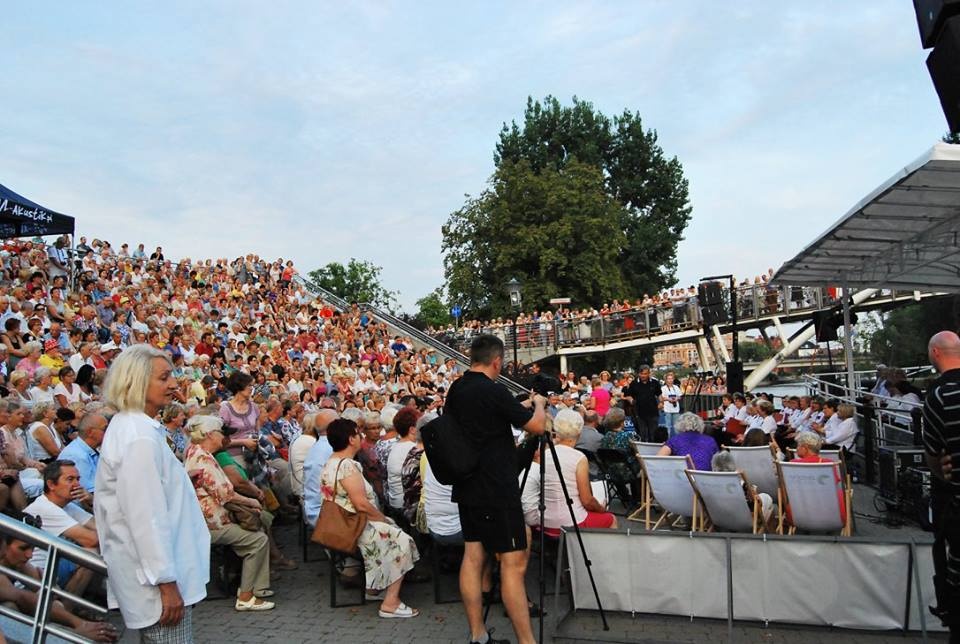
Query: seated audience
{"x": 214, "y": 491}
{"x": 404, "y": 422}
{"x": 83, "y": 450}
{"x": 299, "y": 449}
{"x": 388, "y": 552}
{"x": 575, "y": 471}
{"x": 690, "y": 441}
{"x": 62, "y": 517}
{"x": 723, "y": 461}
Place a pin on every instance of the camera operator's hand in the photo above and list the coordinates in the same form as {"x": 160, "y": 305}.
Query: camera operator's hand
{"x": 539, "y": 400}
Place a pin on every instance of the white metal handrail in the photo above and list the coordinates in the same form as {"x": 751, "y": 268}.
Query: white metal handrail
{"x": 46, "y": 587}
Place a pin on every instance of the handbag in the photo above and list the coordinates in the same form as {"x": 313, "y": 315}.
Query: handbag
{"x": 243, "y": 515}
{"x": 337, "y": 528}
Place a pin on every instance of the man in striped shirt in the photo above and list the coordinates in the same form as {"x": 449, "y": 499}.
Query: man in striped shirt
{"x": 941, "y": 439}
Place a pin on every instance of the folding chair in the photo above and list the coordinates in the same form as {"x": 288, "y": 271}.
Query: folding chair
{"x": 607, "y": 459}
{"x": 670, "y": 488}
{"x": 643, "y": 449}
{"x": 723, "y": 501}
{"x": 838, "y": 456}
{"x": 813, "y": 493}
{"x": 757, "y": 464}
{"x": 437, "y": 553}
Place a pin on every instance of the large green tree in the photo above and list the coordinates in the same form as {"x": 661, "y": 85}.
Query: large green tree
{"x": 356, "y": 281}
{"x": 556, "y": 231}
{"x": 645, "y": 208}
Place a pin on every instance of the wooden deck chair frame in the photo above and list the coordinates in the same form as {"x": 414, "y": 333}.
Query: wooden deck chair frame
{"x": 649, "y": 500}
{"x": 639, "y": 447}
{"x": 783, "y": 501}
{"x": 757, "y": 522}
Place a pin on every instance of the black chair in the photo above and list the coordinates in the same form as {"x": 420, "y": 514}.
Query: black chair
{"x": 607, "y": 459}
{"x": 225, "y": 571}
{"x": 338, "y": 563}
{"x": 438, "y": 552}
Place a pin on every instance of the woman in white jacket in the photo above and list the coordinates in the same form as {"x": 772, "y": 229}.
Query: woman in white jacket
{"x": 153, "y": 536}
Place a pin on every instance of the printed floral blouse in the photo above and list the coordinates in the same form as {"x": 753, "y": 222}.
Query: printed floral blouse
{"x": 211, "y": 484}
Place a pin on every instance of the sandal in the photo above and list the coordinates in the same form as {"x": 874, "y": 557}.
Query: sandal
{"x": 402, "y": 612}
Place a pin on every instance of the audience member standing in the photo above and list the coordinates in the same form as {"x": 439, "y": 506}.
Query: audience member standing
{"x": 152, "y": 532}
{"x": 644, "y": 393}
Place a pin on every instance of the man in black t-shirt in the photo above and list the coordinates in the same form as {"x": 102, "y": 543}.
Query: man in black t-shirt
{"x": 491, "y": 516}
{"x": 644, "y": 393}
{"x": 941, "y": 441}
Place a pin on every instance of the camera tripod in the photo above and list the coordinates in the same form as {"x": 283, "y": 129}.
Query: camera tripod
{"x": 545, "y": 442}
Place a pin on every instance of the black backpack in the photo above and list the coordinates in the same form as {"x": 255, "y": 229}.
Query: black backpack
{"x": 452, "y": 454}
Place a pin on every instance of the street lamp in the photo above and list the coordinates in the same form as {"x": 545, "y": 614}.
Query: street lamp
{"x": 513, "y": 290}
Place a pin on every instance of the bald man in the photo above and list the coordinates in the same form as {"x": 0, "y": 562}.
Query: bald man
{"x": 313, "y": 465}
{"x": 941, "y": 441}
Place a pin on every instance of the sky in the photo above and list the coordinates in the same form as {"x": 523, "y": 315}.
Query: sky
{"x": 321, "y": 131}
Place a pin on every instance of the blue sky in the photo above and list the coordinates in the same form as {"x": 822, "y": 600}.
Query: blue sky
{"x": 324, "y": 131}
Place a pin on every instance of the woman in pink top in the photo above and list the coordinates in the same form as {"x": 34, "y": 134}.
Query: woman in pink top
{"x": 601, "y": 397}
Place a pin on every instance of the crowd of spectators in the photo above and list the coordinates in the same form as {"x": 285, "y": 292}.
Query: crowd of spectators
{"x": 282, "y": 403}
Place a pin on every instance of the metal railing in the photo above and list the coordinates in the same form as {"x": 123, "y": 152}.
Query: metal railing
{"x": 46, "y": 588}
{"x": 754, "y": 303}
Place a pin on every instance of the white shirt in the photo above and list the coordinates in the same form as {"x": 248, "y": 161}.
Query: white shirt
{"x": 768, "y": 425}
{"x": 666, "y": 392}
{"x": 77, "y": 361}
{"x": 74, "y": 395}
{"x": 55, "y": 520}
{"x": 34, "y": 448}
{"x": 149, "y": 521}
{"x": 398, "y": 454}
{"x": 299, "y": 449}
{"x": 843, "y": 433}
{"x": 556, "y": 514}
{"x": 443, "y": 515}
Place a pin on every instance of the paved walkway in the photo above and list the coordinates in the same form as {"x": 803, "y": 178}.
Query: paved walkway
{"x": 303, "y": 614}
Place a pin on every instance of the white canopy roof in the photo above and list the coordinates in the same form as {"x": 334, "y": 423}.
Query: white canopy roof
{"x": 903, "y": 235}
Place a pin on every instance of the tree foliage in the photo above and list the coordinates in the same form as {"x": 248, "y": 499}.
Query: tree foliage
{"x": 595, "y": 209}
{"x": 555, "y": 231}
{"x": 902, "y": 339}
{"x": 357, "y": 281}
{"x": 432, "y": 310}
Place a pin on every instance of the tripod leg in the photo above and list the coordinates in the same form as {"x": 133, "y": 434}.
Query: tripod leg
{"x": 576, "y": 528}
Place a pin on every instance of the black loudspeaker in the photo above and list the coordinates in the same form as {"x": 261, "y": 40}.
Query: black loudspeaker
{"x": 943, "y": 63}
{"x": 734, "y": 377}
{"x": 894, "y": 460}
{"x": 714, "y": 315}
{"x": 710, "y": 294}
{"x": 931, "y": 14}
{"x": 825, "y": 324}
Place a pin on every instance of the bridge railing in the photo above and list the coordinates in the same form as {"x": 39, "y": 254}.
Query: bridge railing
{"x": 754, "y": 302}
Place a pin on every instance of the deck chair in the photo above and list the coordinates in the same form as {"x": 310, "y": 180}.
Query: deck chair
{"x": 722, "y": 499}
{"x": 757, "y": 464}
{"x": 813, "y": 491}
{"x": 669, "y": 486}
{"x": 838, "y": 456}
{"x": 643, "y": 449}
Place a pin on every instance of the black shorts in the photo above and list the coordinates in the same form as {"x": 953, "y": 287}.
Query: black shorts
{"x": 498, "y": 529}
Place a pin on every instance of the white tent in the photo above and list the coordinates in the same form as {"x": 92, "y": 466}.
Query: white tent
{"x": 904, "y": 235}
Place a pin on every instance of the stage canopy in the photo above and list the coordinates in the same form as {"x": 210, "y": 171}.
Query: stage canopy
{"x": 903, "y": 235}
{"x": 20, "y": 217}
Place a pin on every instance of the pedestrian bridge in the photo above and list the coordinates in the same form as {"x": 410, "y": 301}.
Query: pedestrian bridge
{"x": 758, "y": 307}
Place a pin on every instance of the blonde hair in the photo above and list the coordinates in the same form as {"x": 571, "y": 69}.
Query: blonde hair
{"x": 40, "y": 410}
{"x": 309, "y": 424}
{"x": 129, "y": 377}
{"x": 846, "y": 411}
{"x": 567, "y": 424}
{"x": 201, "y": 426}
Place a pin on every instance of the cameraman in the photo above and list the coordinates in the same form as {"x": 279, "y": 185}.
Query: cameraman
{"x": 491, "y": 516}
{"x": 941, "y": 431}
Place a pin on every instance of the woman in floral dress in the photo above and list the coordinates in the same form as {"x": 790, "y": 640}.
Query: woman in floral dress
{"x": 388, "y": 552}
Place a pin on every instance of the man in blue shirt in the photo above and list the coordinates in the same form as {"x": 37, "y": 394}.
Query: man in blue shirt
{"x": 312, "y": 466}
{"x": 82, "y": 450}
